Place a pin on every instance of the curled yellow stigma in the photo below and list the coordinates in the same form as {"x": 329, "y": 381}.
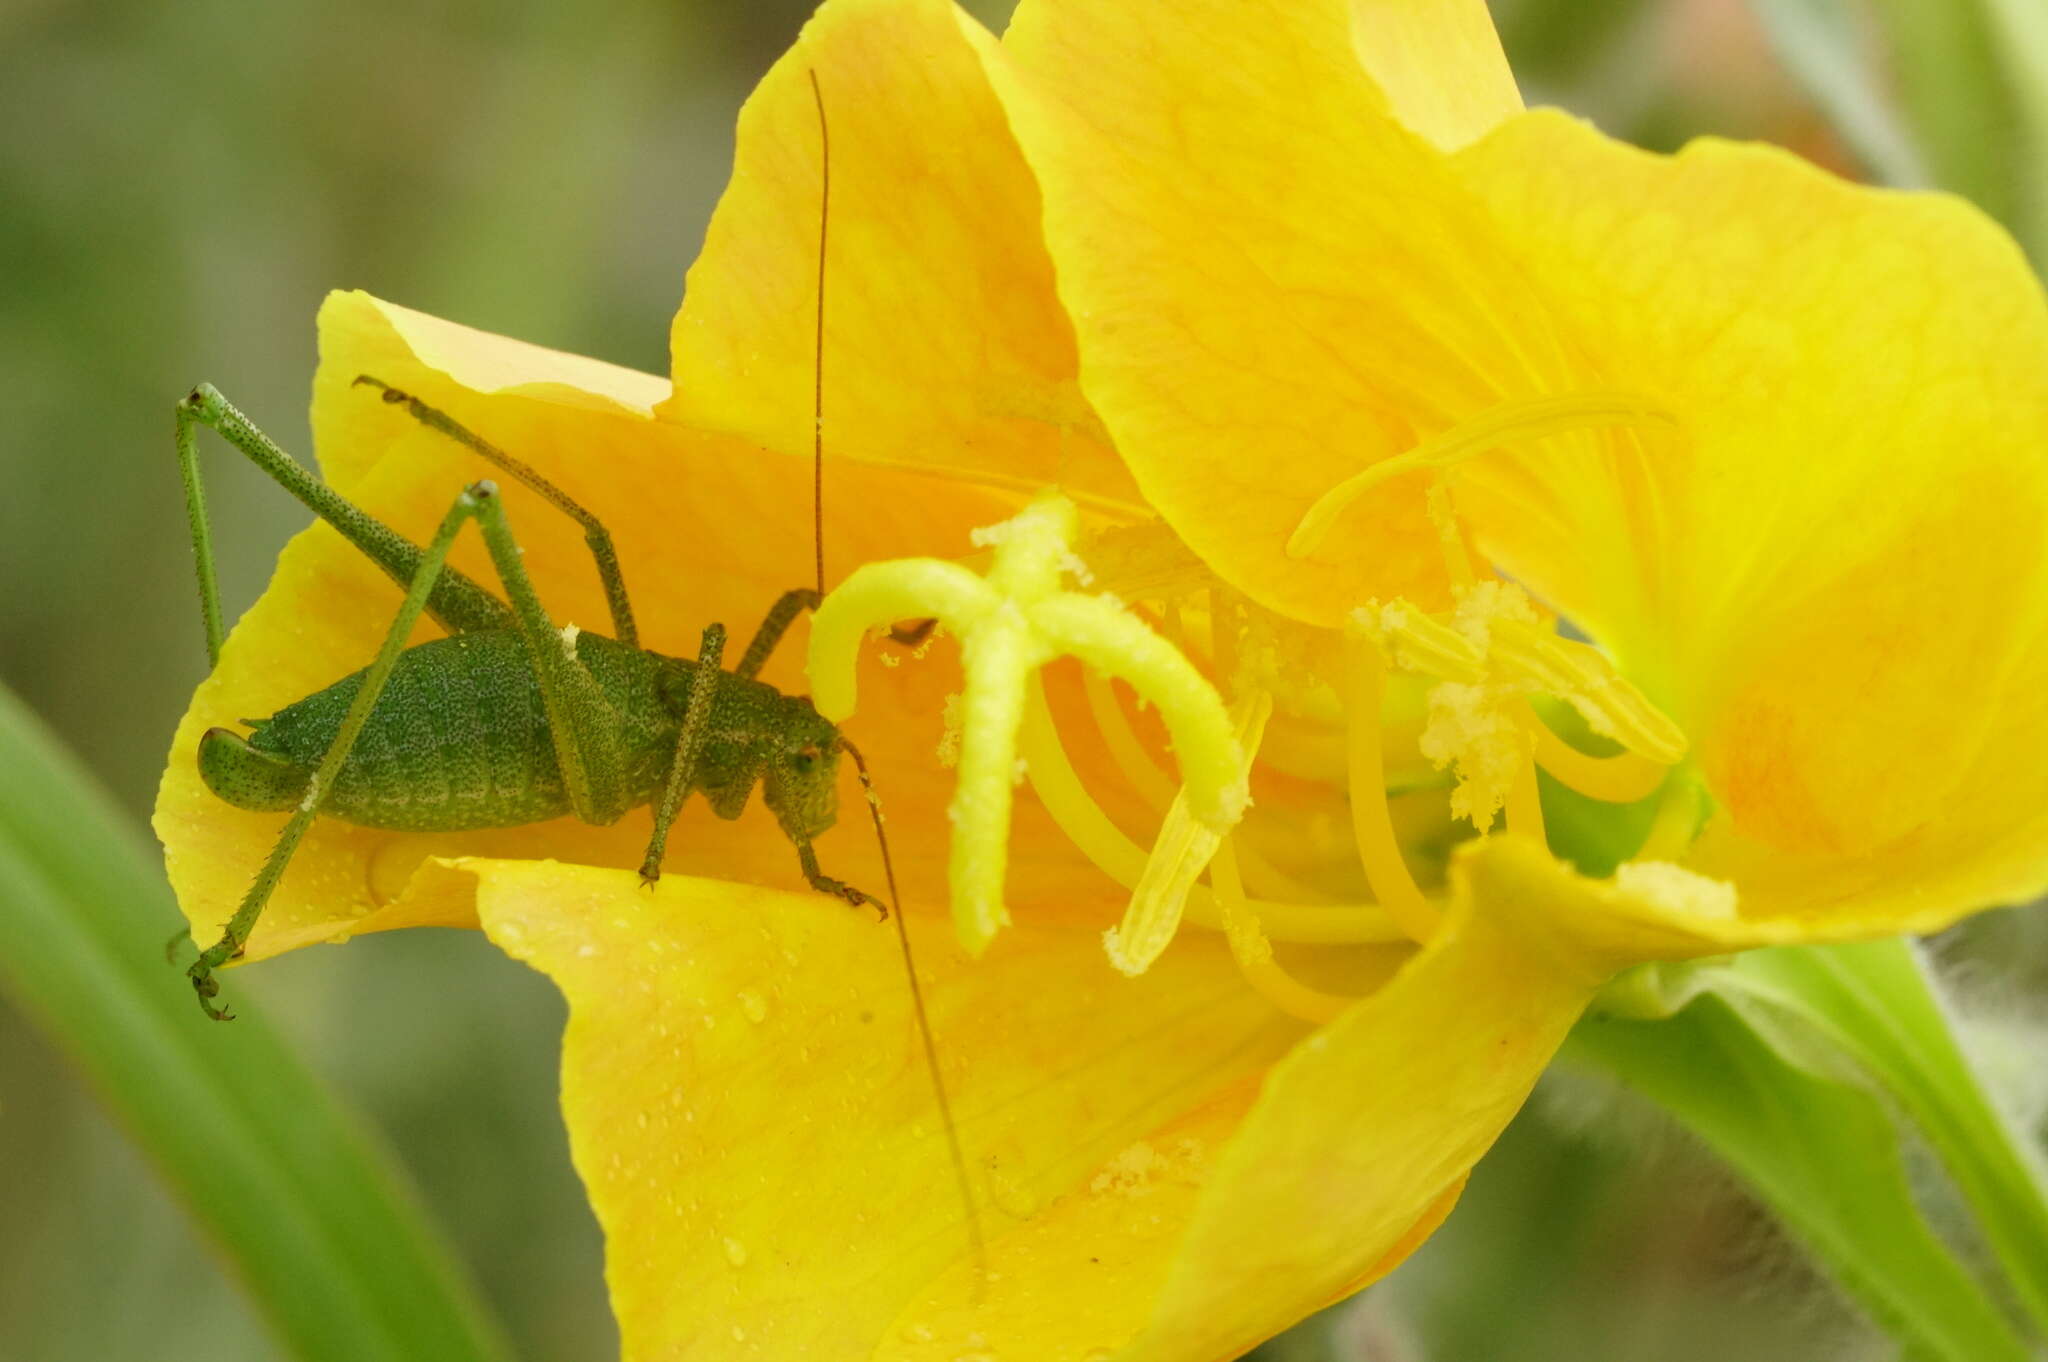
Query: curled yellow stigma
{"x": 1531, "y": 419}
{"x": 1011, "y": 623}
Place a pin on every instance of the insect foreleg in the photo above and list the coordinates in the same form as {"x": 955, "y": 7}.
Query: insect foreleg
{"x": 594, "y": 533}
{"x": 825, "y": 884}
{"x": 780, "y": 616}
{"x": 690, "y": 740}
{"x": 431, "y": 565}
{"x": 457, "y": 603}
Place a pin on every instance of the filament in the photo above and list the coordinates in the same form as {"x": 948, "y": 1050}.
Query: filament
{"x": 1372, "y": 824}
{"x": 1622, "y": 779}
{"x": 1525, "y": 797}
{"x": 1077, "y": 814}
{"x": 1254, "y": 953}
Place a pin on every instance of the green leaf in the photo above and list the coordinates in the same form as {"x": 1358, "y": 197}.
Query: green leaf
{"x": 1875, "y": 1003}
{"x": 1818, "y": 42}
{"x": 318, "y": 1223}
{"x": 1947, "y": 93}
{"x": 1823, "y": 1154}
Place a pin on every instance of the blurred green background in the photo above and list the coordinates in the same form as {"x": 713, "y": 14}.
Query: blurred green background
{"x": 179, "y": 186}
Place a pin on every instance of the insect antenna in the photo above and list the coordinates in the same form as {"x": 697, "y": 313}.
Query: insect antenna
{"x": 978, "y": 1246}
{"x": 818, "y": 346}
{"x": 915, "y": 633}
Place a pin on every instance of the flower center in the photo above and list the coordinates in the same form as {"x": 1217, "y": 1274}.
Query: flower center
{"x": 1481, "y": 664}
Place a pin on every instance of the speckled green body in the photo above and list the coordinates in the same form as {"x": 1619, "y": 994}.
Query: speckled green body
{"x": 459, "y": 739}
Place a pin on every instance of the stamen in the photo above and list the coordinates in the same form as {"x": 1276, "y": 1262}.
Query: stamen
{"x": 1532, "y": 419}
{"x": 1415, "y": 642}
{"x": 1582, "y": 675}
{"x": 1181, "y": 853}
{"x": 1254, "y": 953}
{"x": 1622, "y": 779}
{"x": 1372, "y": 823}
{"x": 1077, "y": 814}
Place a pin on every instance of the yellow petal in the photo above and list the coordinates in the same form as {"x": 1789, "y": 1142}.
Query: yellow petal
{"x": 746, "y": 1100}
{"x": 1835, "y": 583}
{"x": 1273, "y": 282}
{"x": 945, "y": 346}
{"x": 1391, "y": 1104}
{"x": 389, "y": 341}
{"x": 706, "y": 529}
{"x": 1440, "y": 64}
{"x": 750, "y": 1112}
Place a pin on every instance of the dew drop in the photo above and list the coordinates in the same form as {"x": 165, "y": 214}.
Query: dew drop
{"x": 754, "y": 1005}
{"x": 735, "y": 1252}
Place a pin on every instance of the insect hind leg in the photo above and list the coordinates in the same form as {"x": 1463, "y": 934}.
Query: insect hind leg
{"x": 235, "y": 935}
{"x": 456, "y": 602}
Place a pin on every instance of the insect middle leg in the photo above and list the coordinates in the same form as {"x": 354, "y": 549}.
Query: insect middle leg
{"x": 691, "y": 738}
{"x": 595, "y": 534}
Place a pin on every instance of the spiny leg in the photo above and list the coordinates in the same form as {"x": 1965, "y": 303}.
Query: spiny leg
{"x": 780, "y": 616}
{"x": 236, "y": 933}
{"x": 825, "y": 884}
{"x": 783, "y": 613}
{"x": 594, "y": 533}
{"x": 581, "y": 721}
{"x": 457, "y": 603}
{"x": 690, "y": 740}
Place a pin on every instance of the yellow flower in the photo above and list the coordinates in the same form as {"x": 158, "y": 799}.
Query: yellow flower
{"x": 1311, "y": 323}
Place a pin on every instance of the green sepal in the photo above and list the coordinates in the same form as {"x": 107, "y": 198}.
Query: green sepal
{"x": 1823, "y": 1154}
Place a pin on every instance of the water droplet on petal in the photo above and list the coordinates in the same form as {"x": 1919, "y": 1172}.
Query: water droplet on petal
{"x": 754, "y": 1005}
{"x": 735, "y": 1252}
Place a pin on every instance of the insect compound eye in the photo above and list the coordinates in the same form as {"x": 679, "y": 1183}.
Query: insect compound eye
{"x": 807, "y": 757}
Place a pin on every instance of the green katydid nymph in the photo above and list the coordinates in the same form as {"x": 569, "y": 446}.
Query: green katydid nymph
{"x": 551, "y": 721}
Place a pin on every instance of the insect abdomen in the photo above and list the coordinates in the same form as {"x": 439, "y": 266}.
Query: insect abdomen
{"x": 459, "y": 739}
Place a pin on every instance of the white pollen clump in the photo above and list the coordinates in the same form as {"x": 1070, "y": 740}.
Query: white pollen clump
{"x": 1018, "y": 770}
{"x": 890, "y": 659}
{"x": 569, "y": 635}
{"x": 1470, "y": 728}
{"x": 1130, "y": 1173}
{"x": 1677, "y": 890}
{"x": 953, "y": 715}
{"x": 988, "y": 536}
{"x": 1070, "y": 561}
{"x": 1478, "y": 606}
